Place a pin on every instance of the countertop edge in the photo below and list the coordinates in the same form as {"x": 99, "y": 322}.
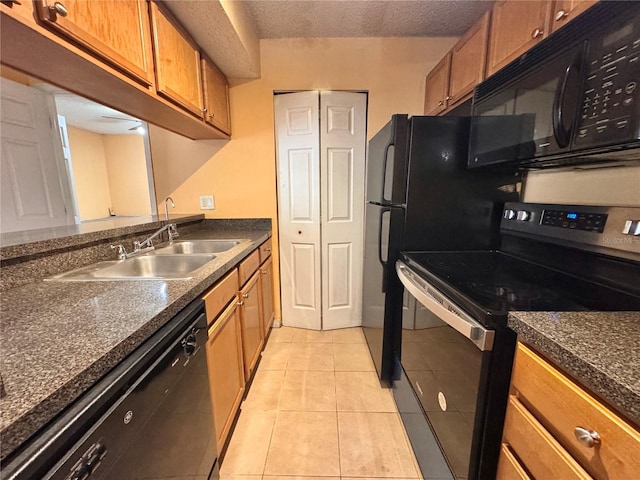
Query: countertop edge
{"x": 618, "y": 396}
{"x": 31, "y": 421}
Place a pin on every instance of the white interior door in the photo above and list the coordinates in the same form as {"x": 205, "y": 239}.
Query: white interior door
{"x": 342, "y": 177}
{"x": 320, "y": 140}
{"x": 32, "y": 176}
{"x": 68, "y": 165}
{"x": 297, "y": 146}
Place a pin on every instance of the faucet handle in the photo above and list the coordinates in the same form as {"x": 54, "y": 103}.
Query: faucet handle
{"x": 122, "y": 252}
{"x": 173, "y": 232}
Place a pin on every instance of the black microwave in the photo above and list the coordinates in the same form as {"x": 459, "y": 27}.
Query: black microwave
{"x": 572, "y": 99}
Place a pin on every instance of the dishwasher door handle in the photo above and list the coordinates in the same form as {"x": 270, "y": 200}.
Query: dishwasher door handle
{"x": 464, "y": 324}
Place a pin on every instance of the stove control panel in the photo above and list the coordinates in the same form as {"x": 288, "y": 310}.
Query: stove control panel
{"x": 589, "y": 222}
{"x": 610, "y": 230}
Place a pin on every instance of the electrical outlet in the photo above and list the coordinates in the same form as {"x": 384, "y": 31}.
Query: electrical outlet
{"x": 206, "y": 202}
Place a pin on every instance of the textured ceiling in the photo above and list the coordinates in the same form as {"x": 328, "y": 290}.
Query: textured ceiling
{"x": 214, "y": 24}
{"x": 363, "y": 18}
{"x": 88, "y": 115}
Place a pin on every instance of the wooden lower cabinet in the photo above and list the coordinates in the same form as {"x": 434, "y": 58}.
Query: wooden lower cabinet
{"x": 537, "y": 450}
{"x": 509, "y": 467}
{"x": 251, "y": 321}
{"x": 546, "y": 411}
{"x": 226, "y": 370}
{"x": 266, "y": 294}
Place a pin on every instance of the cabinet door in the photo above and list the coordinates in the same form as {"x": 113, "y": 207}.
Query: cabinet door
{"x": 251, "y": 321}
{"x": 266, "y": 294}
{"x": 566, "y": 10}
{"x": 117, "y": 31}
{"x": 226, "y": 370}
{"x": 436, "y": 87}
{"x": 516, "y": 26}
{"x": 216, "y": 96}
{"x": 468, "y": 60}
{"x": 177, "y": 61}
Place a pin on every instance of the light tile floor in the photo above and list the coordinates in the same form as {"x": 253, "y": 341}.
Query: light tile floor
{"x": 316, "y": 411}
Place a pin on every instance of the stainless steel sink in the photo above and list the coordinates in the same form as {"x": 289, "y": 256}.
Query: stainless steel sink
{"x": 190, "y": 247}
{"x": 144, "y": 267}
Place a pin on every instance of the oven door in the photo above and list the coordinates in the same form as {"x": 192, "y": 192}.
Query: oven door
{"x": 446, "y": 358}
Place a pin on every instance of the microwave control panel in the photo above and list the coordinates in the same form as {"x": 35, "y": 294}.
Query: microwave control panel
{"x": 610, "y": 109}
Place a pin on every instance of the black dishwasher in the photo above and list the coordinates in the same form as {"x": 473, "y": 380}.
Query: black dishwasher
{"x": 150, "y": 417}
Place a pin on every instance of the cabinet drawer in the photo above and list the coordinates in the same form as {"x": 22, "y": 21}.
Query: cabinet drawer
{"x": 217, "y": 297}
{"x": 248, "y": 266}
{"x": 265, "y": 251}
{"x": 561, "y": 406}
{"x": 537, "y": 450}
{"x": 508, "y": 466}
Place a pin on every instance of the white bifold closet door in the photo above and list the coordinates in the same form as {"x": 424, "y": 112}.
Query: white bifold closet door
{"x": 320, "y": 143}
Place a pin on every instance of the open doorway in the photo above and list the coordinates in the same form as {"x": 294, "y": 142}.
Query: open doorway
{"x": 80, "y": 162}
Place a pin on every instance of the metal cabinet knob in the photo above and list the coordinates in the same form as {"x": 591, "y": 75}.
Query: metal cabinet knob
{"x": 264, "y": 272}
{"x": 561, "y": 15}
{"x": 58, "y": 9}
{"x": 440, "y": 103}
{"x": 538, "y": 32}
{"x": 204, "y": 110}
{"x": 240, "y": 303}
{"x": 587, "y": 438}
{"x": 245, "y": 295}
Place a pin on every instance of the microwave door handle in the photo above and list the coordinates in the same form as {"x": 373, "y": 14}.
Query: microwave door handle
{"x": 561, "y": 134}
{"x": 474, "y": 331}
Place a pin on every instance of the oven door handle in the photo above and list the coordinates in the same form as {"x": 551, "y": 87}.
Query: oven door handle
{"x": 474, "y": 331}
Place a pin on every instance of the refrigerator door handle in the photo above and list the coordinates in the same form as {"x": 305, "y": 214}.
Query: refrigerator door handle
{"x": 383, "y": 210}
{"x": 384, "y": 171}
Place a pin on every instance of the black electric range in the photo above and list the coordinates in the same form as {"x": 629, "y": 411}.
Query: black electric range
{"x": 454, "y": 364}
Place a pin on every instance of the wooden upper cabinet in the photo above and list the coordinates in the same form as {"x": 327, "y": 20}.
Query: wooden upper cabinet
{"x": 468, "y": 60}
{"x": 437, "y": 86}
{"x": 216, "y": 96}
{"x": 116, "y": 31}
{"x": 566, "y": 10}
{"x": 177, "y": 61}
{"x": 516, "y": 26}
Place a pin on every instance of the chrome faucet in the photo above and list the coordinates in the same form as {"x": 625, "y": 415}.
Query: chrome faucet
{"x": 147, "y": 244}
{"x": 166, "y": 207}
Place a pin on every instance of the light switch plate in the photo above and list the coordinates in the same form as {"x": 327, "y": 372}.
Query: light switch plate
{"x": 206, "y": 202}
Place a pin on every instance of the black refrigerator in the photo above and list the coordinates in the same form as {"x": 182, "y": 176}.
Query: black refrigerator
{"x": 420, "y": 196}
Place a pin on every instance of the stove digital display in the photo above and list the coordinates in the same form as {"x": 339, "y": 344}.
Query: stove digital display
{"x": 590, "y": 222}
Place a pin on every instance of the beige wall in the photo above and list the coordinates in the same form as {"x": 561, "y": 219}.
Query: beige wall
{"x": 618, "y": 186}
{"x": 89, "y": 173}
{"x": 127, "y": 172}
{"x": 241, "y": 174}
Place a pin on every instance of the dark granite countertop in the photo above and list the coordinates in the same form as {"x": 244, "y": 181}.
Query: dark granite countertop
{"x": 29, "y": 242}
{"x": 601, "y": 350}
{"x": 59, "y": 338}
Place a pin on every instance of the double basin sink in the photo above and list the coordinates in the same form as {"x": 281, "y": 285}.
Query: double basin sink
{"x": 177, "y": 261}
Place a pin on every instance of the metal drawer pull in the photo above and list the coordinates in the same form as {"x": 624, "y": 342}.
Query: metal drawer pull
{"x": 58, "y": 9}
{"x": 240, "y": 303}
{"x": 245, "y": 295}
{"x": 587, "y": 438}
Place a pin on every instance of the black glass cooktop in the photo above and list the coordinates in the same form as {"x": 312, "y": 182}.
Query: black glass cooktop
{"x": 494, "y": 283}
